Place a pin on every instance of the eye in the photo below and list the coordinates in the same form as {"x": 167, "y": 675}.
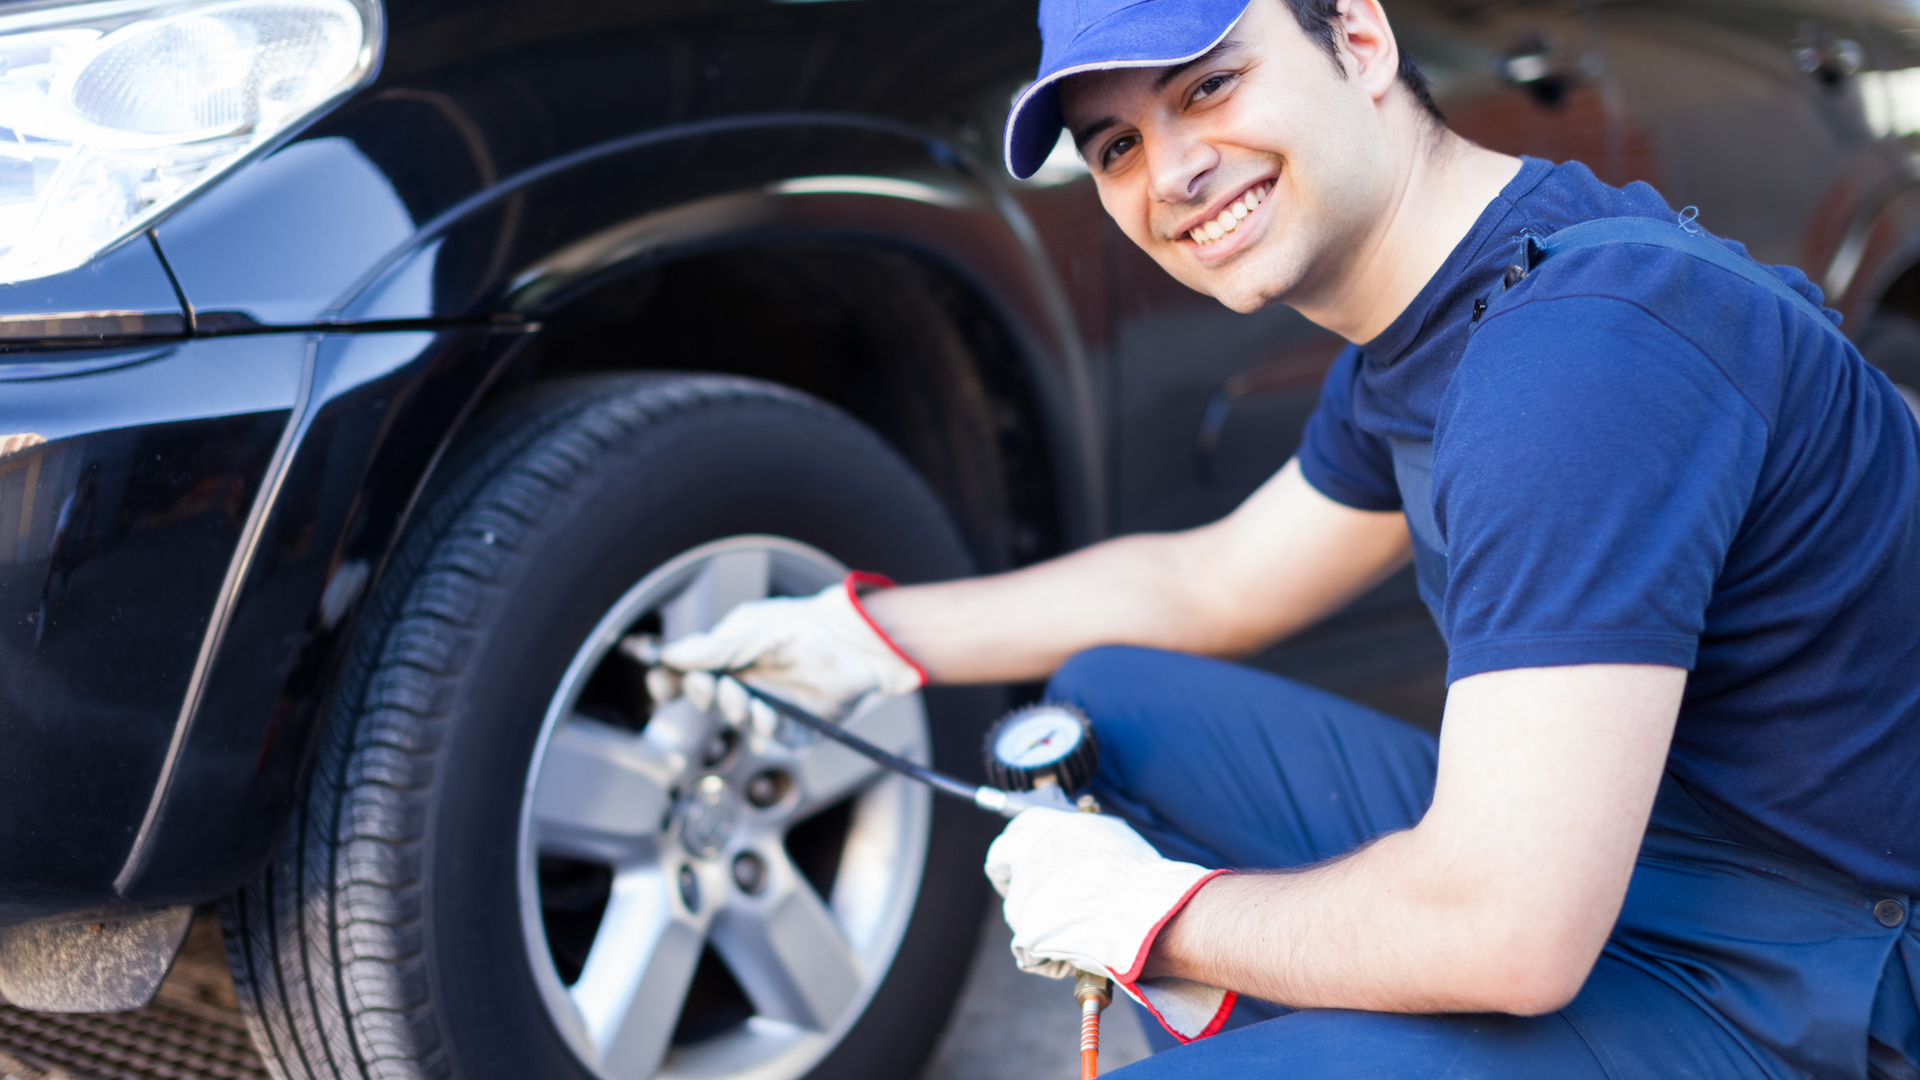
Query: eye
{"x": 1210, "y": 86}
{"x": 1116, "y": 149}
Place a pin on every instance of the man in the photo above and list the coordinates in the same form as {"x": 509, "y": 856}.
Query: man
{"x": 1668, "y": 520}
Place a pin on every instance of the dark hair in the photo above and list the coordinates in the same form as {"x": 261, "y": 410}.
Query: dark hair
{"x": 1316, "y": 18}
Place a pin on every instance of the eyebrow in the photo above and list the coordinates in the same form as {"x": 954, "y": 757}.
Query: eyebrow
{"x": 1092, "y": 128}
{"x": 1167, "y": 75}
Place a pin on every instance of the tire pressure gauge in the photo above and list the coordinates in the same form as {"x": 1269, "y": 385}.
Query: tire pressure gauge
{"x": 1042, "y": 743}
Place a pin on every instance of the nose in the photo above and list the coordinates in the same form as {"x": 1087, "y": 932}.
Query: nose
{"x": 1178, "y": 164}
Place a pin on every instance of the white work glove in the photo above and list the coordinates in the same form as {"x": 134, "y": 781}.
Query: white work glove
{"x": 820, "y": 652}
{"x": 1085, "y": 892}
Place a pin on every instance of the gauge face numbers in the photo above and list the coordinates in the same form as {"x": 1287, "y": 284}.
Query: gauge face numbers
{"x": 1037, "y": 738}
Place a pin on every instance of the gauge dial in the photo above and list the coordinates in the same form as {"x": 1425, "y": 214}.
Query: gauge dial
{"x": 1037, "y": 738}
{"x": 1042, "y": 742}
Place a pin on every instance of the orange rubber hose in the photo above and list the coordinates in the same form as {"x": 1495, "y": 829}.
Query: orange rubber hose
{"x": 1089, "y": 1039}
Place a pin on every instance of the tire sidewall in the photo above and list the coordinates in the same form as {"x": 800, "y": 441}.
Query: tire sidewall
{"x": 753, "y": 465}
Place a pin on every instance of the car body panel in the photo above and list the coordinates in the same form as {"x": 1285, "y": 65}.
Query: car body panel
{"x": 125, "y": 292}
{"x": 378, "y": 411}
{"x": 275, "y": 243}
{"x": 119, "y": 526}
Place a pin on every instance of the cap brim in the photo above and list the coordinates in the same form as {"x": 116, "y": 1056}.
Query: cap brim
{"x": 1152, "y": 33}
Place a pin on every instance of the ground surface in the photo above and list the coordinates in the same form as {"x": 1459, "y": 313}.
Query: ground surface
{"x": 1015, "y": 1026}
{"x": 1009, "y": 1026}
{"x": 191, "y": 1031}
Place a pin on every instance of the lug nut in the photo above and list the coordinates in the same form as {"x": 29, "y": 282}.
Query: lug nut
{"x": 768, "y": 788}
{"x": 749, "y": 872}
{"x": 689, "y": 889}
{"x": 719, "y": 748}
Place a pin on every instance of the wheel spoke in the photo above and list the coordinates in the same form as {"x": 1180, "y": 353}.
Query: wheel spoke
{"x": 787, "y": 952}
{"x": 828, "y": 772}
{"x": 725, "y": 580}
{"x": 629, "y": 993}
{"x": 602, "y": 792}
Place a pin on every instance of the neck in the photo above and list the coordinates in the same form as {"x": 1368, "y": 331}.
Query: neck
{"x": 1441, "y": 184}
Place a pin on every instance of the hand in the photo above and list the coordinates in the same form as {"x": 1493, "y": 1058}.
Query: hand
{"x": 1085, "y": 892}
{"x": 820, "y": 652}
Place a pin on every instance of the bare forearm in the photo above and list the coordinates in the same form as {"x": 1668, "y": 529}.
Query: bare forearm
{"x": 1502, "y": 896}
{"x": 1024, "y": 624}
{"x": 1382, "y": 930}
{"x": 1283, "y": 560}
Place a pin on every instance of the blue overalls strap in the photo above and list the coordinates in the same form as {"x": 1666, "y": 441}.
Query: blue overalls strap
{"x": 1657, "y": 233}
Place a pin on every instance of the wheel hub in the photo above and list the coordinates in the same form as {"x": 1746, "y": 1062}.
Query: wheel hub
{"x": 708, "y": 816}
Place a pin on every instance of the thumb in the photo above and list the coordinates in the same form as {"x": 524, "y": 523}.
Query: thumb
{"x": 999, "y": 865}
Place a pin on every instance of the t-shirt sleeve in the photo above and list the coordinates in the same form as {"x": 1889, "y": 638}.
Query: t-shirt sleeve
{"x": 1591, "y": 469}
{"x": 1341, "y": 461}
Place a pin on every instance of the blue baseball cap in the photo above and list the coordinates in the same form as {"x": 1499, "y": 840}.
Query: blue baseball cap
{"x": 1100, "y": 35}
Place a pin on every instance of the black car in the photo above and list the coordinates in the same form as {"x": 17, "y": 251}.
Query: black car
{"x": 371, "y": 375}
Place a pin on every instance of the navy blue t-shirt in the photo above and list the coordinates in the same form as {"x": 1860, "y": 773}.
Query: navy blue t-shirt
{"x": 1639, "y": 457}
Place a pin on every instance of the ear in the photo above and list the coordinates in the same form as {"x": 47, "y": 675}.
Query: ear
{"x": 1371, "y": 53}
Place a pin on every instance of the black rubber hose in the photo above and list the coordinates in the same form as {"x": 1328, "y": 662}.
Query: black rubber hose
{"x": 939, "y": 781}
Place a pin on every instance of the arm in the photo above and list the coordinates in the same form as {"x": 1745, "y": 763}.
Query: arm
{"x": 1500, "y": 899}
{"x": 1284, "y": 559}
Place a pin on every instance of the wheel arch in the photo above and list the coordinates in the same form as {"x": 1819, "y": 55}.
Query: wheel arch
{"x": 888, "y": 333}
{"x": 534, "y": 246}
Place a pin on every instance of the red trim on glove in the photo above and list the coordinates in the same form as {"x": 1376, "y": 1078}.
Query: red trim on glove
{"x": 1130, "y": 978}
{"x": 1227, "y": 1002}
{"x": 858, "y": 578}
{"x": 1228, "y": 999}
{"x": 1132, "y": 974}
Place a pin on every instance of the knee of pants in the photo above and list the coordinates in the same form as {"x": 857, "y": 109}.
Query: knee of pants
{"x": 1120, "y": 688}
{"x": 1094, "y": 675}
{"x": 1255, "y": 769}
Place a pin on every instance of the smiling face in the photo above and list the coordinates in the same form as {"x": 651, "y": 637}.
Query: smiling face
{"x": 1256, "y": 173}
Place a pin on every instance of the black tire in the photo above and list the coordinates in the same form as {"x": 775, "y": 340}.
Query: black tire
{"x": 384, "y": 939}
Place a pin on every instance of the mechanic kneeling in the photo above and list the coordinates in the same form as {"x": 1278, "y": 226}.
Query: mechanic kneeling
{"x": 1666, "y": 517}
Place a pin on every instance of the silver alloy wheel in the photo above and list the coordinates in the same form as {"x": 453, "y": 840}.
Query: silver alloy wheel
{"x": 692, "y": 820}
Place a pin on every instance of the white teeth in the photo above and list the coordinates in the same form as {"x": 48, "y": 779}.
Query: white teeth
{"x": 1230, "y": 218}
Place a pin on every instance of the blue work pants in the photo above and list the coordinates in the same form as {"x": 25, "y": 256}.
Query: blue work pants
{"x": 1727, "y": 961}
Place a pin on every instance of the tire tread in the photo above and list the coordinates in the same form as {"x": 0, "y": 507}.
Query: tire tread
{"x": 328, "y": 946}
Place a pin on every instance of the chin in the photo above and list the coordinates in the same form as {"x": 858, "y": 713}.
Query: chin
{"x": 1239, "y": 293}
{"x": 1243, "y": 302}
{"x": 1248, "y": 285}
{"x": 1241, "y": 285}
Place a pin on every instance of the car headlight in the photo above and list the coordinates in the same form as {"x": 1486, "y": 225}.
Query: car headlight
{"x": 113, "y": 111}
